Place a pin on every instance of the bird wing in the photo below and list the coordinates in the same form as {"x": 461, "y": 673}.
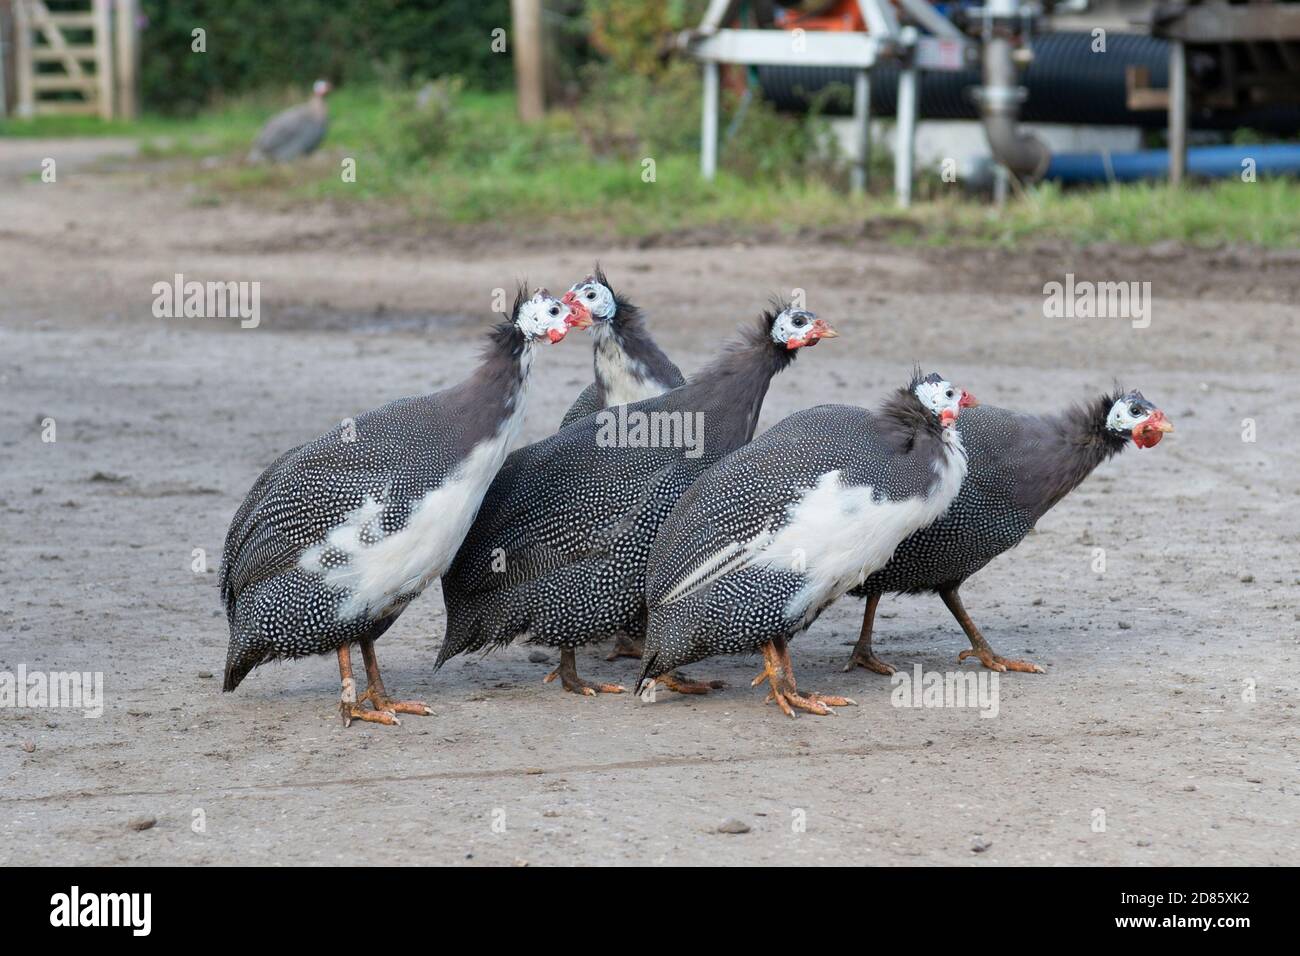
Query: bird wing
{"x": 553, "y": 504}
{"x": 590, "y": 400}
{"x": 587, "y": 403}
{"x": 732, "y": 517}
{"x": 664, "y": 370}
{"x": 380, "y": 463}
{"x": 282, "y": 129}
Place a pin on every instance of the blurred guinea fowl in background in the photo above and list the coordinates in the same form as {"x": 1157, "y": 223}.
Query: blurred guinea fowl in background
{"x": 295, "y": 132}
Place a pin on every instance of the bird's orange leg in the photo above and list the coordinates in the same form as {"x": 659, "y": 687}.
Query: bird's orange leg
{"x": 567, "y": 672}
{"x": 863, "y": 655}
{"x": 979, "y": 647}
{"x": 376, "y": 694}
{"x": 349, "y": 709}
{"x": 779, "y": 673}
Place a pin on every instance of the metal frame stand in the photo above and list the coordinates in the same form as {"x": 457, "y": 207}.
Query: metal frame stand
{"x": 861, "y": 174}
{"x": 709, "y": 122}
{"x": 713, "y": 46}
{"x": 1177, "y": 112}
{"x": 905, "y": 146}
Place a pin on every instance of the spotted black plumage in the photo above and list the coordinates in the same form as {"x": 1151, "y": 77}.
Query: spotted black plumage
{"x": 338, "y": 535}
{"x": 628, "y": 365}
{"x": 782, "y": 527}
{"x": 558, "y": 550}
{"x": 1020, "y": 467}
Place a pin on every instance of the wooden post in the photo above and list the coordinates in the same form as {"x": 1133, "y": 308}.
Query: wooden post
{"x": 23, "y": 59}
{"x": 530, "y": 72}
{"x": 127, "y": 59}
{"x": 103, "y": 59}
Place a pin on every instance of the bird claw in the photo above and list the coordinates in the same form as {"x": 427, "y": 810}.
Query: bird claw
{"x": 782, "y": 690}
{"x": 869, "y": 661}
{"x": 349, "y": 712}
{"x": 417, "y": 707}
{"x": 385, "y": 704}
{"x": 996, "y": 662}
{"x": 576, "y": 685}
{"x": 682, "y": 684}
{"x": 819, "y": 704}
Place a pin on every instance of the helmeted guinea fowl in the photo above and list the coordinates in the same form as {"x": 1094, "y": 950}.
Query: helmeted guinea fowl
{"x": 763, "y": 542}
{"x": 629, "y": 366}
{"x": 558, "y": 550}
{"x": 1020, "y": 467}
{"x": 340, "y": 534}
{"x": 296, "y": 131}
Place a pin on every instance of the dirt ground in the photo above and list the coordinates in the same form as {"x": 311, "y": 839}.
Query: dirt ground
{"x": 1168, "y": 712}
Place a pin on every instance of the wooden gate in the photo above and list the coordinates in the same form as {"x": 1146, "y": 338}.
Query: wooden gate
{"x": 63, "y": 59}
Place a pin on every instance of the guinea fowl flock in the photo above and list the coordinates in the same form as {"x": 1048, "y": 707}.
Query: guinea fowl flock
{"x": 653, "y": 516}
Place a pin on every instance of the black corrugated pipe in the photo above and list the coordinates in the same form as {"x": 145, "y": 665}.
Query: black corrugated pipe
{"x": 1066, "y": 82}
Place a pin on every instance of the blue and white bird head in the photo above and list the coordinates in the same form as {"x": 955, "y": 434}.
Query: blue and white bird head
{"x": 943, "y": 399}
{"x": 595, "y": 295}
{"x": 1132, "y": 416}
{"x": 795, "y": 328}
{"x": 543, "y": 316}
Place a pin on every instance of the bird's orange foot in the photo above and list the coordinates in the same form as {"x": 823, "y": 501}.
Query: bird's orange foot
{"x": 819, "y": 704}
{"x": 352, "y": 711}
{"x": 576, "y": 685}
{"x": 779, "y": 675}
{"x": 679, "y": 682}
{"x": 567, "y": 672}
{"x": 382, "y": 702}
{"x": 996, "y": 662}
{"x": 625, "y": 646}
{"x": 870, "y": 661}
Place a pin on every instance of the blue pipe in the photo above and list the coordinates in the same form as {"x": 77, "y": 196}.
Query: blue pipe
{"x": 1213, "y": 162}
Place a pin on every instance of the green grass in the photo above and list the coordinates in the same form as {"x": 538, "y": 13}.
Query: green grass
{"x": 465, "y": 159}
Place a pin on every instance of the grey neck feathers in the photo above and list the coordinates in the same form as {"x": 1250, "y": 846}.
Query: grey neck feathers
{"x": 732, "y": 387}
{"x": 1076, "y": 441}
{"x": 907, "y": 424}
{"x": 495, "y": 388}
{"x": 626, "y": 332}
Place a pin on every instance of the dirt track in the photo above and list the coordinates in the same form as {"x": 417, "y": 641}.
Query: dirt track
{"x": 163, "y": 424}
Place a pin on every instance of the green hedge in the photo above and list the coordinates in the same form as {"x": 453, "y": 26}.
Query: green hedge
{"x": 259, "y": 44}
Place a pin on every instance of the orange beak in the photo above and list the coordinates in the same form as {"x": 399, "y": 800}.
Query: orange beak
{"x": 1149, "y": 433}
